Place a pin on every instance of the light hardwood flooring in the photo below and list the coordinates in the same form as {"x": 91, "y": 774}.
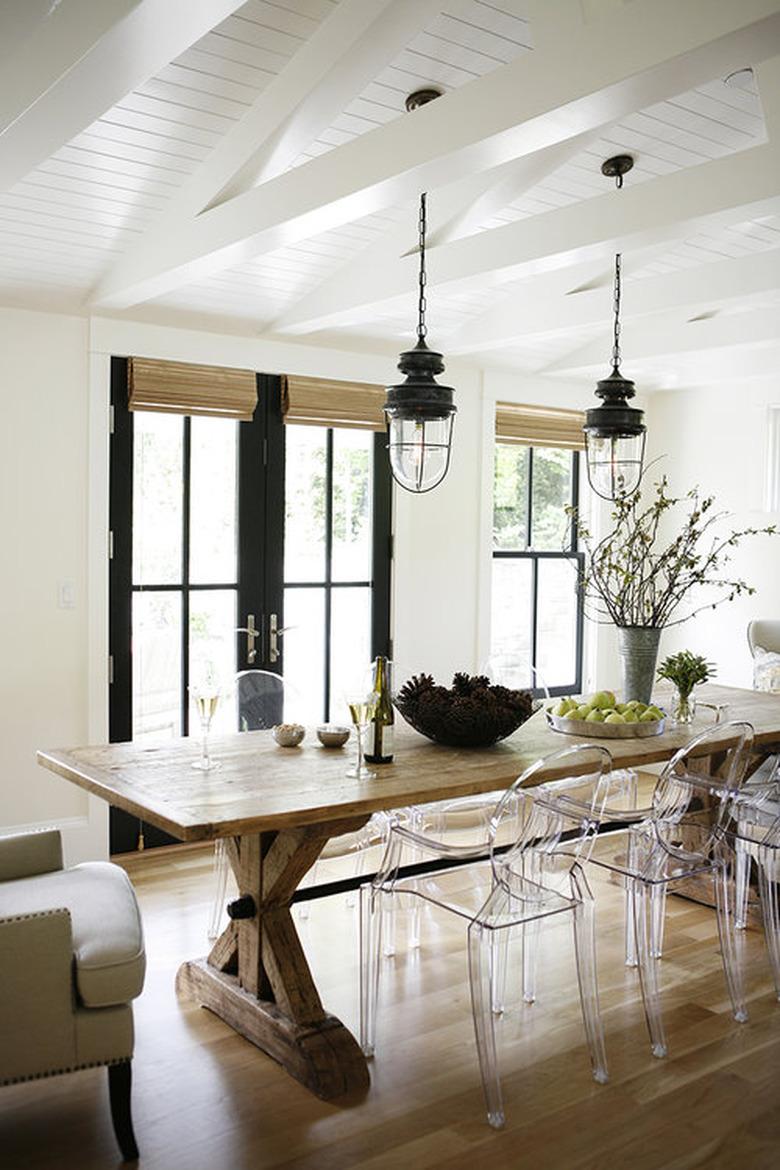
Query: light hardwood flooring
{"x": 205, "y": 1099}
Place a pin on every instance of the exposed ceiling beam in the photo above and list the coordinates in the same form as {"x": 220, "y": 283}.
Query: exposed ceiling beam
{"x": 646, "y": 52}
{"x": 503, "y": 185}
{"x": 714, "y": 194}
{"x": 661, "y": 338}
{"x": 82, "y": 60}
{"x": 531, "y": 310}
{"x": 333, "y": 67}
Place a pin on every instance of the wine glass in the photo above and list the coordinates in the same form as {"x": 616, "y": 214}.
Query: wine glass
{"x": 206, "y": 698}
{"x": 362, "y": 705}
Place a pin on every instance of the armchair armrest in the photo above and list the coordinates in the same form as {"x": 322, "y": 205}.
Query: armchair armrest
{"x": 37, "y": 1005}
{"x": 25, "y": 854}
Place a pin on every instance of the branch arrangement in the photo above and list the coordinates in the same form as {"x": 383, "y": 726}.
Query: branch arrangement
{"x": 635, "y": 580}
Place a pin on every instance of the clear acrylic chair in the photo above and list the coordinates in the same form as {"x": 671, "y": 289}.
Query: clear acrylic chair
{"x": 678, "y": 841}
{"x": 756, "y": 832}
{"x": 756, "y": 808}
{"x": 505, "y": 881}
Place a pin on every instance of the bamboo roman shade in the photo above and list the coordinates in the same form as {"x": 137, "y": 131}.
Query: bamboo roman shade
{"x": 182, "y": 388}
{"x": 324, "y": 402}
{"x": 539, "y": 426}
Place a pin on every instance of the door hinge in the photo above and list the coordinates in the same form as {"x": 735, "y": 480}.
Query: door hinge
{"x": 110, "y": 544}
{"x": 111, "y": 420}
{"x": 110, "y": 669}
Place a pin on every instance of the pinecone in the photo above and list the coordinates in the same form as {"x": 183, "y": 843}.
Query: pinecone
{"x": 472, "y": 713}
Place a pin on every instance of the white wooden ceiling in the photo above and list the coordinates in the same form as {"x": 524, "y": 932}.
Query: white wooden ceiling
{"x": 252, "y": 168}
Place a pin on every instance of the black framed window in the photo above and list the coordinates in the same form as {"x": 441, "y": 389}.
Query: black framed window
{"x": 536, "y": 607}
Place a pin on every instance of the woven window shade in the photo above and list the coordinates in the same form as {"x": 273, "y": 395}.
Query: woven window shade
{"x": 182, "y": 388}
{"x": 539, "y": 426}
{"x": 324, "y": 402}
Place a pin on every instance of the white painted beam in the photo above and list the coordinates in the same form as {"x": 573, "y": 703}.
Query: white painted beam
{"x": 533, "y": 310}
{"x": 663, "y": 338}
{"x": 81, "y": 61}
{"x": 650, "y": 50}
{"x": 714, "y": 194}
{"x": 347, "y": 51}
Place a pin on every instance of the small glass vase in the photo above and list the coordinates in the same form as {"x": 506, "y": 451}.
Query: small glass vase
{"x": 683, "y": 708}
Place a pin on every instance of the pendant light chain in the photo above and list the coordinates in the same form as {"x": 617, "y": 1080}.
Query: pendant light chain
{"x": 422, "y": 328}
{"x": 616, "y": 307}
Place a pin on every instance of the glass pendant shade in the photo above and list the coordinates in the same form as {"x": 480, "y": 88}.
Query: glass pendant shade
{"x": 615, "y": 464}
{"x": 419, "y": 451}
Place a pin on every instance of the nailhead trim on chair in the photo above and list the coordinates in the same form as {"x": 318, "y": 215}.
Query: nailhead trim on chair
{"x": 55, "y": 1072}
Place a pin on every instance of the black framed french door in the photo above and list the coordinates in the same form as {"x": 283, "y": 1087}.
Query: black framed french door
{"x": 199, "y": 512}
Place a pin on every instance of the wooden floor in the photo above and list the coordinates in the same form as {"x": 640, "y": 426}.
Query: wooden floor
{"x": 204, "y": 1099}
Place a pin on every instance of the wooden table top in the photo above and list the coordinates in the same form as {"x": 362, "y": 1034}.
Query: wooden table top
{"x": 261, "y": 786}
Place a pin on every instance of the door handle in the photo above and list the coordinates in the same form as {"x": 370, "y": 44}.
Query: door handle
{"x": 275, "y": 632}
{"x": 252, "y": 632}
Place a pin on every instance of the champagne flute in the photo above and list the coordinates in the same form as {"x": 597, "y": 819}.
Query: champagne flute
{"x": 206, "y": 698}
{"x": 362, "y": 705}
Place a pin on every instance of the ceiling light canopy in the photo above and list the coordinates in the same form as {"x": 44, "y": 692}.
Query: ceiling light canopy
{"x": 614, "y": 431}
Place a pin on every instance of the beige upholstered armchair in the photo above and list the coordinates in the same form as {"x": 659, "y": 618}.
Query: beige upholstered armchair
{"x": 71, "y": 960}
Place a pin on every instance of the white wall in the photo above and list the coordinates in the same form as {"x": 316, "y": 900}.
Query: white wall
{"x": 43, "y": 521}
{"x": 716, "y": 437}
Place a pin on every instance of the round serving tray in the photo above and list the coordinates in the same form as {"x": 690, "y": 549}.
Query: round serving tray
{"x": 604, "y": 730}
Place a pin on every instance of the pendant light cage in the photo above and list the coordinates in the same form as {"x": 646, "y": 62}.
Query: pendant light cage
{"x": 614, "y": 431}
{"x": 419, "y": 411}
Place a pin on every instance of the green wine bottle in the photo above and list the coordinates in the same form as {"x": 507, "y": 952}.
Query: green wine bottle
{"x": 379, "y": 742}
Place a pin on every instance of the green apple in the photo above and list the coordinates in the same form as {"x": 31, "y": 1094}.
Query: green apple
{"x": 647, "y": 717}
{"x": 640, "y": 708}
{"x": 656, "y": 714}
{"x": 620, "y": 708}
{"x": 584, "y": 711}
{"x": 632, "y": 704}
{"x": 630, "y": 715}
{"x": 615, "y": 717}
{"x": 571, "y": 714}
{"x": 595, "y": 716}
{"x": 562, "y": 709}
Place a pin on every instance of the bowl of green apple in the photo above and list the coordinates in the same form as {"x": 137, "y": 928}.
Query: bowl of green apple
{"x": 603, "y": 717}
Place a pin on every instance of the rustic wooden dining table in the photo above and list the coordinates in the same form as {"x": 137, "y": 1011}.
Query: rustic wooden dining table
{"x": 277, "y": 807}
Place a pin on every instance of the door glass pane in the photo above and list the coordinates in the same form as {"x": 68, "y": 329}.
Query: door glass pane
{"x": 551, "y": 493}
{"x": 213, "y": 500}
{"x": 213, "y": 651}
{"x": 350, "y": 654}
{"x": 304, "y": 654}
{"x": 510, "y": 654}
{"x": 510, "y": 506}
{"x": 157, "y": 498}
{"x": 305, "y": 476}
{"x": 352, "y": 462}
{"x": 556, "y": 639}
{"x": 156, "y": 654}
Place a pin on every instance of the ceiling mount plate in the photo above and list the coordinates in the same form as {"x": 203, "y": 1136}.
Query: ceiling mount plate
{"x": 421, "y": 97}
{"x": 617, "y": 166}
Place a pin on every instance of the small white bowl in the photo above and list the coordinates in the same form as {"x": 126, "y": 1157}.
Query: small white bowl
{"x": 333, "y": 735}
{"x": 288, "y": 734}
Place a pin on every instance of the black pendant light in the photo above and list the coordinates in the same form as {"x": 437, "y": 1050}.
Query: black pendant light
{"x": 419, "y": 411}
{"x": 614, "y": 431}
